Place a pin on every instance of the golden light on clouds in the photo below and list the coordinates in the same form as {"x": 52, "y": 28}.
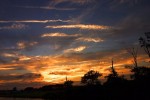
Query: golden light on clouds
{"x": 68, "y": 38}
{"x": 23, "y": 58}
{"x": 57, "y": 34}
{"x": 89, "y": 39}
{"x": 81, "y": 26}
{"x": 77, "y": 49}
{"x": 9, "y": 54}
{"x": 57, "y": 74}
{"x": 24, "y": 44}
{"x": 21, "y": 45}
{"x": 54, "y": 69}
{"x": 5, "y": 68}
{"x": 52, "y": 78}
{"x": 33, "y": 21}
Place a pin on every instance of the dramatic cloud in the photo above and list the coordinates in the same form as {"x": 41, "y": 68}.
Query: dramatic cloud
{"x": 33, "y": 21}
{"x": 77, "y": 49}
{"x": 43, "y": 42}
{"x": 59, "y": 35}
{"x": 81, "y": 26}
{"x": 90, "y": 39}
{"x": 55, "y": 68}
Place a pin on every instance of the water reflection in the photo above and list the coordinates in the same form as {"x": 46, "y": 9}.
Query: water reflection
{"x": 2, "y": 98}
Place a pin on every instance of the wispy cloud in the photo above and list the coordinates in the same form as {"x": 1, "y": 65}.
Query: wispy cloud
{"x": 23, "y": 44}
{"x": 14, "y": 26}
{"x": 59, "y": 35}
{"x": 90, "y": 39}
{"x": 80, "y": 26}
{"x": 4, "y": 68}
{"x": 77, "y": 49}
{"x": 33, "y": 21}
{"x": 9, "y": 54}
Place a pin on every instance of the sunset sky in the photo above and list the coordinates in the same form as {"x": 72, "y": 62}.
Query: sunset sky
{"x": 43, "y": 41}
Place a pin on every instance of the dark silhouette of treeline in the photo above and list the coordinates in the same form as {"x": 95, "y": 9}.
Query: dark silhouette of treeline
{"x": 116, "y": 87}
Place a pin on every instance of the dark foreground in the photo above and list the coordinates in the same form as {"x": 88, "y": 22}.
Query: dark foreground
{"x": 10, "y": 98}
{"x": 129, "y": 90}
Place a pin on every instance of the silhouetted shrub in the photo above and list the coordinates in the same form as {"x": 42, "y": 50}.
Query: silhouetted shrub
{"x": 91, "y": 78}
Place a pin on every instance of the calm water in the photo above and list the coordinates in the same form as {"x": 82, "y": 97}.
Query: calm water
{"x": 1, "y": 98}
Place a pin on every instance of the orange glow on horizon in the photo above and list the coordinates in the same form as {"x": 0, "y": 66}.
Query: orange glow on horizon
{"x": 54, "y": 69}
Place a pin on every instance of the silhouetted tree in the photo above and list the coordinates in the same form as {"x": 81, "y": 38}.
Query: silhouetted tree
{"x": 145, "y": 43}
{"x": 113, "y": 77}
{"x": 68, "y": 83}
{"x": 134, "y": 68}
{"x": 134, "y": 51}
{"x": 91, "y": 78}
{"x": 113, "y": 74}
{"x": 140, "y": 73}
{"x": 14, "y": 89}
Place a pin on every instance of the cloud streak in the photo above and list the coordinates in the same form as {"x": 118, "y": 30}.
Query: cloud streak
{"x": 77, "y": 49}
{"x": 23, "y": 44}
{"x": 59, "y": 35}
{"x": 80, "y": 26}
{"x": 90, "y": 39}
{"x": 33, "y": 21}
